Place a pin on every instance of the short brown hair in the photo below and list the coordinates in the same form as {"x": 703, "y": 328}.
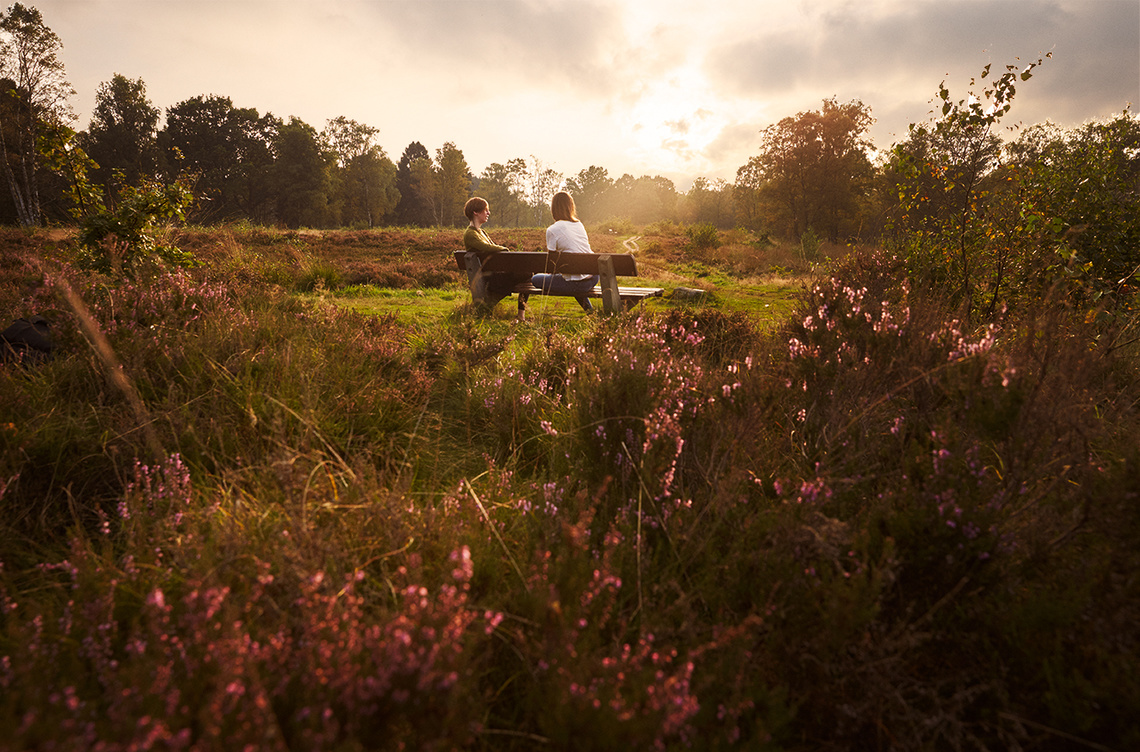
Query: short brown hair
{"x": 474, "y": 205}
{"x": 562, "y": 207}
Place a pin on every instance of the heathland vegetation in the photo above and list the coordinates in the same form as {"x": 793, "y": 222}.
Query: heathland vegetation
{"x": 283, "y": 488}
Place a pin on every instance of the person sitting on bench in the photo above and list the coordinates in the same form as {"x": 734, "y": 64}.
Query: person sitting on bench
{"x": 499, "y": 284}
{"x": 567, "y": 235}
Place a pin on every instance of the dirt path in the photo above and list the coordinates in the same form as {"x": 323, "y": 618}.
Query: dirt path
{"x": 631, "y": 243}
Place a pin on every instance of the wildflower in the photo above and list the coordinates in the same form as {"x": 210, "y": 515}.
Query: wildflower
{"x": 465, "y": 568}
{"x": 494, "y": 619}
{"x": 940, "y": 457}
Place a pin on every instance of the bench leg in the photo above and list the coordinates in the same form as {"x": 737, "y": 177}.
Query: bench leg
{"x": 483, "y": 294}
{"x": 477, "y": 280}
{"x": 611, "y": 298}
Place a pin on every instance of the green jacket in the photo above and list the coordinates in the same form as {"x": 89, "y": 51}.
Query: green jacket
{"x": 479, "y": 241}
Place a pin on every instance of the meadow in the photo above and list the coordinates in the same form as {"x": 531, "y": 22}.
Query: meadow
{"x": 304, "y": 496}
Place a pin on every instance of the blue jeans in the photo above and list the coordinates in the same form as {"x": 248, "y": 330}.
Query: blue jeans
{"x": 556, "y": 284}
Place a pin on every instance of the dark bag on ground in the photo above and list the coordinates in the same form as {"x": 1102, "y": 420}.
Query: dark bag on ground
{"x": 27, "y": 341}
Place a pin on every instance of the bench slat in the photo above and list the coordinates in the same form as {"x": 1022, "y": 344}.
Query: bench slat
{"x": 533, "y": 262}
{"x": 626, "y": 293}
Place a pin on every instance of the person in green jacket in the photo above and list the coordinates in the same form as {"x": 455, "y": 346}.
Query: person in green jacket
{"x": 499, "y": 284}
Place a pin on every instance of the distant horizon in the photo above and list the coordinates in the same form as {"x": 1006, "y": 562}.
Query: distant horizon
{"x": 634, "y": 86}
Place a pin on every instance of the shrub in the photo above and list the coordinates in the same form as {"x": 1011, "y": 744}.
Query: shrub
{"x": 120, "y": 239}
{"x": 703, "y": 236}
{"x": 317, "y": 274}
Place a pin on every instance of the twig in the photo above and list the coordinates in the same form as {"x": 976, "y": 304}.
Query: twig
{"x": 495, "y": 530}
{"x": 640, "y": 496}
{"x": 893, "y": 392}
{"x": 519, "y": 734}
{"x": 114, "y": 368}
{"x": 309, "y": 424}
{"x": 664, "y": 528}
{"x": 940, "y": 603}
{"x": 1055, "y": 732}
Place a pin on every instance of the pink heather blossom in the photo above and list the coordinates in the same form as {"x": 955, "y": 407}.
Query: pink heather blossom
{"x": 465, "y": 568}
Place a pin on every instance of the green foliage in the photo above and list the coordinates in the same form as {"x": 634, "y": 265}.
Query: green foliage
{"x": 300, "y": 175}
{"x": 119, "y": 240}
{"x": 317, "y": 274}
{"x": 953, "y": 213}
{"x": 666, "y": 228}
{"x": 809, "y": 245}
{"x": 615, "y": 226}
{"x": 1080, "y": 194}
{"x": 702, "y": 236}
{"x": 63, "y": 156}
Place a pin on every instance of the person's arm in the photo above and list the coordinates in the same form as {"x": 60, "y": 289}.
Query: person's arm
{"x": 473, "y": 240}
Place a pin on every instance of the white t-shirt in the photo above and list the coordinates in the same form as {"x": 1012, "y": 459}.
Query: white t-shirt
{"x": 568, "y": 237}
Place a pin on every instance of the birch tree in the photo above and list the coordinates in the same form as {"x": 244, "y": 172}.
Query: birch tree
{"x": 34, "y": 94}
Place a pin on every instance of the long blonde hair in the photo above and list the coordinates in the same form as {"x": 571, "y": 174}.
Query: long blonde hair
{"x": 562, "y": 207}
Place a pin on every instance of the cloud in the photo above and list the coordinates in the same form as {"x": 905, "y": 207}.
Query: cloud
{"x": 849, "y": 46}
{"x": 734, "y": 144}
{"x": 666, "y": 87}
{"x": 484, "y": 44}
{"x": 902, "y": 52}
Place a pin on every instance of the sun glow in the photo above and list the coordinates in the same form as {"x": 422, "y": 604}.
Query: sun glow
{"x": 673, "y": 121}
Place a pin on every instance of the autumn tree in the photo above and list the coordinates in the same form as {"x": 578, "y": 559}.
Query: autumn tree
{"x": 365, "y": 179}
{"x": 501, "y": 185}
{"x": 589, "y": 189}
{"x": 414, "y": 207}
{"x": 643, "y": 199}
{"x": 122, "y": 134}
{"x": 538, "y": 184}
{"x": 34, "y": 95}
{"x": 814, "y": 169}
{"x": 452, "y": 185}
{"x": 711, "y": 202}
{"x": 746, "y": 193}
{"x": 301, "y": 175}
{"x": 229, "y": 149}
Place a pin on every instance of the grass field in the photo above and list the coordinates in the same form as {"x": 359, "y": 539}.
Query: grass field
{"x": 303, "y": 496}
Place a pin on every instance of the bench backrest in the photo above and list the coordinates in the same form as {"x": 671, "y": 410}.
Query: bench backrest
{"x": 534, "y": 262}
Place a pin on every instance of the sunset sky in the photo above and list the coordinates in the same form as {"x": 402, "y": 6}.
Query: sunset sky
{"x": 648, "y": 87}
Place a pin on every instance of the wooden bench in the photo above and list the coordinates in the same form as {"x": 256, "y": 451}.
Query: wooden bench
{"x": 608, "y": 266}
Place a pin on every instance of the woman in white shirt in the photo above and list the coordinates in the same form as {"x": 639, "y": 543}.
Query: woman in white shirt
{"x": 567, "y": 235}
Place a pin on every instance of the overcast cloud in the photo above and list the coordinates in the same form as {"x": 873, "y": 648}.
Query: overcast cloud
{"x": 646, "y": 87}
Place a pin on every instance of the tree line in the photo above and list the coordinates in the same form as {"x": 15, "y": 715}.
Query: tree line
{"x": 816, "y": 173}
